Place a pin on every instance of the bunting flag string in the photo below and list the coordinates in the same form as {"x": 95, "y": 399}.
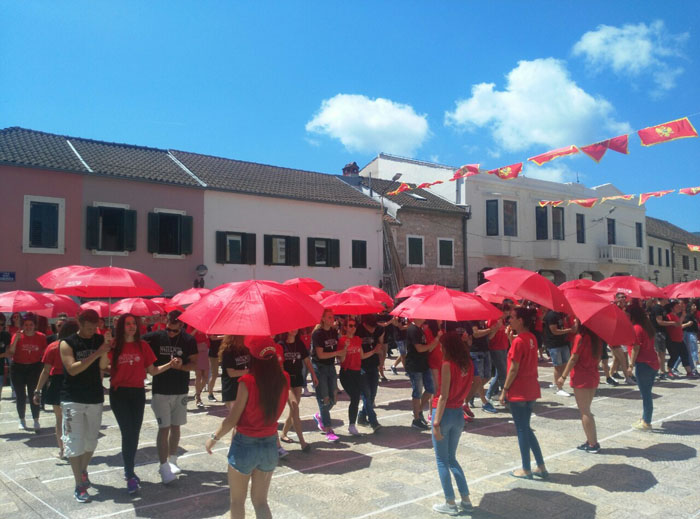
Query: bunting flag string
{"x": 694, "y": 248}
{"x": 507, "y": 172}
{"x": 551, "y": 155}
{"x": 692, "y": 191}
{"x": 657, "y": 194}
{"x": 584, "y": 202}
{"x": 670, "y": 131}
{"x": 643, "y": 198}
{"x": 597, "y": 150}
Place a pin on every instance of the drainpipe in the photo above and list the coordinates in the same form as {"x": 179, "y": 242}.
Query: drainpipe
{"x": 673, "y": 262}
{"x": 467, "y": 215}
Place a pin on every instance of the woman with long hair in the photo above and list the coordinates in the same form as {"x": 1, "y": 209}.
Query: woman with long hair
{"x": 324, "y": 341}
{"x": 53, "y": 374}
{"x": 455, "y": 379}
{"x": 130, "y": 359}
{"x": 645, "y": 361}
{"x": 583, "y": 366}
{"x": 522, "y": 389}
{"x": 234, "y": 358}
{"x": 253, "y": 456}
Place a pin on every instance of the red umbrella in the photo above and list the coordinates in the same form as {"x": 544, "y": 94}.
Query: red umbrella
{"x": 61, "y": 305}
{"x": 161, "y": 301}
{"x": 577, "y": 283}
{"x": 448, "y": 305}
{"x": 137, "y": 306}
{"x": 494, "y": 293}
{"x": 55, "y": 276}
{"x": 306, "y": 286}
{"x": 689, "y": 289}
{"x": 252, "y": 308}
{"x": 631, "y": 286}
{"x": 605, "y": 319}
{"x": 189, "y": 296}
{"x": 530, "y": 285}
{"x": 323, "y": 294}
{"x": 370, "y": 292}
{"x": 108, "y": 282}
{"x": 352, "y": 303}
{"x": 411, "y": 290}
{"x": 101, "y": 307}
{"x": 24, "y": 301}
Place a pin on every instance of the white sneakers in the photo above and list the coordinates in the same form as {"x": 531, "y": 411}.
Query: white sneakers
{"x": 172, "y": 461}
{"x": 561, "y": 392}
{"x": 22, "y": 425}
{"x": 352, "y": 429}
{"x": 36, "y": 425}
{"x": 166, "y": 473}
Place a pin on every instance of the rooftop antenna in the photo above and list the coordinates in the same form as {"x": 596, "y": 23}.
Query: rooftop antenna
{"x": 577, "y": 178}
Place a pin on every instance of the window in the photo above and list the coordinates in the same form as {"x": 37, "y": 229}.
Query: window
{"x": 580, "y": 228}
{"x": 281, "y": 250}
{"x": 414, "y": 246}
{"x": 541, "y": 230}
{"x": 491, "y": 217}
{"x": 659, "y": 255}
{"x": 686, "y": 262}
{"x": 611, "y": 231}
{"x": 359, "y": 254}
{"x": 651, "y": 255}
{"x": 445, "y": 252}
{"x": 510, "y": 218}
{"x": 668, "y": 258}
{"x": 110, "y": 228}
{"x": 43, "y": 226}
{"x": 638, "y": 232}
{"x": 237, "y": 248}
{"x": 323, "y": 252}
{"x": 558, "y": 223}
{"x": 169, "y": 233}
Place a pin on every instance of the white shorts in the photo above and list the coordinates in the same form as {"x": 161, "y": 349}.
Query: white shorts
{"x": 169, "y": 409}
{"x": 81, "y": 427}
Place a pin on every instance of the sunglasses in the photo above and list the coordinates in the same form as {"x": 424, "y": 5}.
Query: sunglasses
{"x": 351, "y": 326}
{"x": 172, "y": 330}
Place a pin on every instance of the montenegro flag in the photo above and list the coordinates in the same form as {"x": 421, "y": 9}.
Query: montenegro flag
{"x": 508, "y": 172}
{"x": 403, "y": 187}
{"x": 551, "y": 155}
{"x": 670, "y": 131}
{"x": 468, "y": 170}
{"x": 617, "y": 197}
{"x": 694, "y": 248}
{"x": 656, "y": 194}
{"x": 584, "y": 202}
{"x": 689, "y": 191}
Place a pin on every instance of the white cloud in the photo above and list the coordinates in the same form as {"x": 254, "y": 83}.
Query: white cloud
{"x": 369, "y": 125}
{"x": 554, "y": 173}
{"x": 540, "y": 105}
{"x": 634, "y": 50}
{"x": 435, "y": 158}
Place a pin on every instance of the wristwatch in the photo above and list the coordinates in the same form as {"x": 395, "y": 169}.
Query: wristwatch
{"x": 213, "y": 437}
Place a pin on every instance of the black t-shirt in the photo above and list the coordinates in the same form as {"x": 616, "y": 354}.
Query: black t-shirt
{"x": 294, "y": 355}
{"x": 86, "y": 386}
{"x": 5, "y": 341}
{"x": 183, "y": 345}
{"x": 237, "y": 360}
{"x": 657, "y": 310}
{"x": 693, "y": 328}
{"x": 551, "y": 340}
{"x": 369, "y": 341}
{"x": 482, "y": 343}
{"x": 415, "y": 361}
{"x": 327, "y": 340}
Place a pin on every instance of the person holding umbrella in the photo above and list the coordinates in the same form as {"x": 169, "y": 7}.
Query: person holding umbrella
{"x": 324, "y": 342}
{"x": 557, "y": 344}
{"x": 417, "y": 352}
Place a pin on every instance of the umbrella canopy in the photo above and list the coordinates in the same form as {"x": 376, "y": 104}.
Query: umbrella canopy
{"x": 370, "y": 292}
{"x": 688, "y": 289}
{"x": 307, "y": 286}
{"x": 605, "y": 319}
{"x": 352, "y": 303}
{"x": 101, "y": 307}
{"x": 136, "y": 306}
{"x": 577, "y": 283}
{"x": 107, "y": 282}
{"x": 321, "y": 295}
{"x": 448, "y": 305}
{"x": 530, "y": 285}
{"x": 189, "y": 296}
{"x": 631, "y": 286}
{"x": 411, "y": 290}
{"x": 54, "y": 277}
{"x": 494, "y": 293}
{"x": 252, "y": 308}
{"x": 61, "y": 305}
{"x": 24, "y": 301}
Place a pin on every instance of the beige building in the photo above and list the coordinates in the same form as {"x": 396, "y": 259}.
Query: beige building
{"x": 669, "y": 260}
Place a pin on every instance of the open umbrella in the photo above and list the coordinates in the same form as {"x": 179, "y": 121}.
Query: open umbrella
{"x": 61, "y": 305}
{"x": 577, "y": 283}
{"x": 668, "y": 289}
{"x": 307, "y": 286}
{"x": 371, "y": 292}
{"x": 107, "y": 282}
{"x": 53, "y": 277}
{"x": 688, "y": 289}
{"x": 101, "y": 307}
{"x": 252, "y": 308}
{"x": 322, "y": 294}
{"x": 137, "y": 306}
{"x": 631, "y": 286}
{"x": 189, "y": 296}
{"x": 352, "y": 303}
{"x": 605, "y": 319}
{"x": 411, "y": 290}
{"x": 447, "y": 305}
{"x": 530, "y": 285}
{"x": 494, "y": 293}
{"x": 24, "y": 301}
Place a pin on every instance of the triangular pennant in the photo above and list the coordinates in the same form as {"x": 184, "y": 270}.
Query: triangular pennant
{"x": 689, "y": 191}
{"x": 617, "y": 197}
{"x": 551, "y": 155}
{"x": 584, "y": 202}
{"x": 655, "y": 194}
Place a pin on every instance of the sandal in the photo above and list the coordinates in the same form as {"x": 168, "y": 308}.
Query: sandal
{"x": 286, "y": 439}
{"x": 306, "y": 448}
{"x": 521, "y": 476}
{"x": 540, "y": 474}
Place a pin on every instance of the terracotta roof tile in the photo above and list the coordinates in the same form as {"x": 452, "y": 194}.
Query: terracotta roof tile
{"x": 667, "y": 231}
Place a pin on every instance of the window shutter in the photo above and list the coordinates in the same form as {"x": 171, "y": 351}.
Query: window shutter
{"x": 293, "y": 250}
{"x": 220, "y": 247}
{"x": 310, "y": 252}
{"x": 92, "y": 228}
{"x": 267, "y": 253}
{"x": 186, "y": 230}
{"x": 249, "y": 253}
{"x": 334, "y": 253}
{"x": 129, "y": 230}
{"x": 153, "y": 232}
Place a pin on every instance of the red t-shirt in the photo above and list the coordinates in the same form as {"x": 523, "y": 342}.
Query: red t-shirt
{"x": 585, "y": 373}
{"x": 675, "y": 333}
{"x": 353, "y": 358}
{"x": 158, "y": 326}
{"x": 132, "y": 363}
{"x": 647, "y": 353}
{"x": 435, "y": 356}
{"x": 539, "y": 326}
{"x": 499, "y": 341}
{"x": 29, "y": 349}
{"x": 525, "y": 387}
{"x": 460, "y": 383}
{"x": 251, "y": 422}
{"x": 201, "y": 339}
{"x": 52, "y": 356}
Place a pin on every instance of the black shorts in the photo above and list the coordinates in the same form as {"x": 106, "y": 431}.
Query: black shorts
{"x": 52, "y": 390}
{"x": 604, "y": 354}
{"x": 214, "y": 349}
{"x": 296, "y": 380}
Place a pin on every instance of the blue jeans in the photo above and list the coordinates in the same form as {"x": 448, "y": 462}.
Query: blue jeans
{"x": 645, "y": 380}
{"x": 527, "y": 441}
{"x": 369, "y": 381}
{"x": 327, "y": 388}
{"x": 499, "y": 360}
{"x": 691, "y": 343}
{"x": 451, "y": 427}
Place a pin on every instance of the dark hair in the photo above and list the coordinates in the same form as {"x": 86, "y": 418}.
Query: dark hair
{"x": 369, "y": 320}
{"x": 174, "y": 316}
{"x": 454, "y": 349}
{"x": 235, "y": 344}
{"x": 120, "y": 338}
{"x": 29, "y": 316}
{"x": 528, "y": 315}
{"x": 270, "y": 382}
{"x": 69, "y": 328}
{"x": 640, "y": 317}
{"x": 432, "y": 326}
{"x": 596, "y": 343}
{"x": 88, "y": 316}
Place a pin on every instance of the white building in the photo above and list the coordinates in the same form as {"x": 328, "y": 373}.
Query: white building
{"x": 668, "y": 257}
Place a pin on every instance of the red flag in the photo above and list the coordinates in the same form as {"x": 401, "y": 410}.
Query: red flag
{"x": 584, "y": 202}
{"x": 670, "y": 131}
{"x": 436, "y": 182}
{"x": 656, "y": 194}
{"x": 619, "y": 144}
{"x": 424, "y": 185}
{"x": 694, "y": 248}
{"x": 597, "y": 150}
{"x": 544, "y": 203}
{"x": 508, "y": 172}
{"x": 468, "y": 170}
{"x": 689, "y": 191}
{"x": 617, "y": 197}
{"x": 403, "y": 187}
{"x": 551, "y": 155}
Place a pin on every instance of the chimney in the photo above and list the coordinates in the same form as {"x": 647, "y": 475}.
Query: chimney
{"x": 351, "y": 170}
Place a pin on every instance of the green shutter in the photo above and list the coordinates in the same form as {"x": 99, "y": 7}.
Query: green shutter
{"x": 220, "y": 247}
{"x": 249, "y": 253}
{"x": 293, "y": 251}
{"x": 92, "y": 228}
{"x": 153, "y": 232}
{"x": 267, "y": 253}
{"x": 334, "y": 253}
{"x": 310, "y": 252}
{"x": 186, "y": 230}
{"x": 129, "y": 230}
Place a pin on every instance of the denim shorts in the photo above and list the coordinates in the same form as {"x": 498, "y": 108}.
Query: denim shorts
{"x": 482, "y": 363}
{"x": 421, "y": 380}
{"x": 560, "y": 356}
{"x": 401, "y": 345}
{"x": 248, "y": 453}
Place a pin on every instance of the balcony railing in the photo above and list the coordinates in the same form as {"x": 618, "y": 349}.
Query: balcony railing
{"x": 619, "y": 254}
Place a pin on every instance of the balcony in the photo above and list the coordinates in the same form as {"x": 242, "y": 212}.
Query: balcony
{"x": 619, "y": 254}
{"x": 501, "y": 246}
{"x": 548, "y": 249}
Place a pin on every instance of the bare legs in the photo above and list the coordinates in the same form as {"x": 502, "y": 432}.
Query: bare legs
{"x": 293, "y": 417}
{"x": 213, "y": 374}
{"x": 259, "y": 488}
{"x": 584, "y": 397}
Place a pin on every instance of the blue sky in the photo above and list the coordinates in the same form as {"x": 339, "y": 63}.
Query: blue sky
{"x": 315, "y": 85}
